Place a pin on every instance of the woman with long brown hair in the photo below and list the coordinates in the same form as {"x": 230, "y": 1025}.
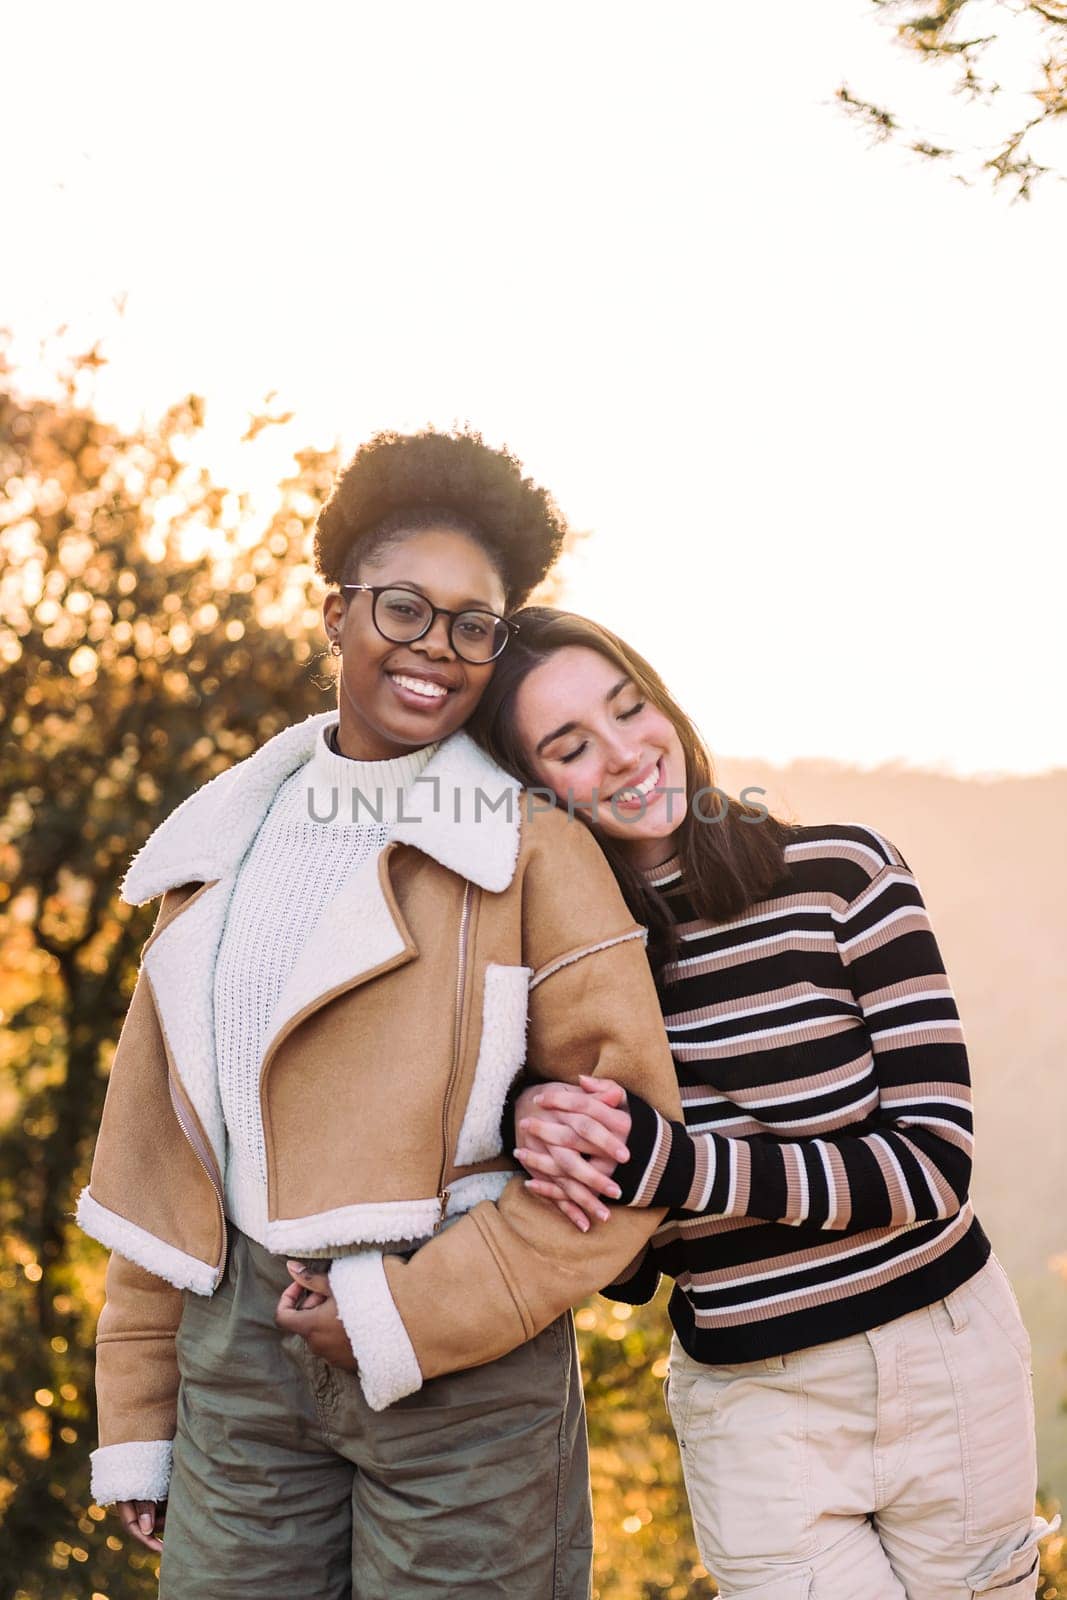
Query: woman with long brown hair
{"x": 849, "y": 1377}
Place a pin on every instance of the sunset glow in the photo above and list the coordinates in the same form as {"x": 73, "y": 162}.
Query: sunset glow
{"x": 804, "y": 394}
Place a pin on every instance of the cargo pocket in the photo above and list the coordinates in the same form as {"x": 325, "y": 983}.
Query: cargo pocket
{"x": 1005, "y": 1572}
{"x": 743, "y": 1439}
{"x": 500, "y": 1055}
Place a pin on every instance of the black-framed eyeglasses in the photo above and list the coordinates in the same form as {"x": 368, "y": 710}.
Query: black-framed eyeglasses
{"x": 403, "y": 615}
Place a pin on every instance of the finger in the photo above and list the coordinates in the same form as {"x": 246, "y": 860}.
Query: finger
{"x": 566, "y": 1164}
{"x": 546, "y": 1160}
{"x": 568, "y": 1098}
{"x": 576, "y": 1215}
{"x": 287, "y": 1314}
{"x": 583, "y": 1102}
{"x": 560, "y": 1097}
{"x": 531, "y": 1146}
{"x": 539, "y": 1164}
{"x": 548, "y": 1131}
{"x": 586, "y": 1201}
{"x": 149, "y": 1541}
{"x": 550, "y": 1086}
{"x": 549, "y": 1191}
{"x": 316, "y": 1281}
{"x": 132, "y": 1516}
{"x": 568, "y": 1130}
{"x": 587, "y": 1172}
{"x": 546, "y": 1189}
{"x": 604, "y": 1088}
{"x": 581, "y": 1170}
{"x": 579, "y": 1132}
{"x": 292, "y": 1298}
{"x": 589, "y": 1115}
{"x": 547, "y": 1165}
{"x": 537, "y": 1133}
{"x": 534, "y": 1143}
{"x": 618, "y": 1123}
{"x": 579, "y": 1162}
{"x": 563, "y": 1191}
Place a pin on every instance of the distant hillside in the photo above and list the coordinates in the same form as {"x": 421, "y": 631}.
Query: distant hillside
{"x": 990, "y": 857}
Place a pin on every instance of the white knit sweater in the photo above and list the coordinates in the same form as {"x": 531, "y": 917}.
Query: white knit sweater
{"x": 319, "y": 828}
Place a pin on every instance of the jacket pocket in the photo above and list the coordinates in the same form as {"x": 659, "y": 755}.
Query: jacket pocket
{"x": 501, "y": 1053}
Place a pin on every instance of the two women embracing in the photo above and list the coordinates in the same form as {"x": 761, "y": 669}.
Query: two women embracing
{"x": 417, "y": 1060}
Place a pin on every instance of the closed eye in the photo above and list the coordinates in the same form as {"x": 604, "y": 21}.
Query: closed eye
{"x": 572, "y": 755}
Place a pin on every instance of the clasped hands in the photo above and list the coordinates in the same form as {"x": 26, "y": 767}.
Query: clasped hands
{"x": 570, "y": 1140}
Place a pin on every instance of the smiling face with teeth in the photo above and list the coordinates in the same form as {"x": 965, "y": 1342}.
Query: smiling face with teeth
{"x": 395, "y": 698}
{"x": 597, "y": 743}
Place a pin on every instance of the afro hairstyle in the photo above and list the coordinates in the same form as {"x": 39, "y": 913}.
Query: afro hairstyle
{"x": 399, "y": 480}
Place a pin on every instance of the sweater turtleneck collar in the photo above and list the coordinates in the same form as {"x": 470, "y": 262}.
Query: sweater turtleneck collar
{"x": 342, "y": 790}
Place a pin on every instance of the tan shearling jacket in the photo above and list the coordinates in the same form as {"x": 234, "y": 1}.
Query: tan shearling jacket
{"x": 488, "y": 932}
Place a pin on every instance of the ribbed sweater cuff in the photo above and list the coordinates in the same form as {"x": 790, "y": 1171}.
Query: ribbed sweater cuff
{"x": 638, "y": 1284}
{"x": 508, "y": 1136}
{"x": 660, "y": 1169}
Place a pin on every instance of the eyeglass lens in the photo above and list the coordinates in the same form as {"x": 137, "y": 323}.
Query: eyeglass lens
{"x": 402, "y": 615}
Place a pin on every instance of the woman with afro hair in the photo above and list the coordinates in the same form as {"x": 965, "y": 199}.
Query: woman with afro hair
{"x": 336, "y": 1356}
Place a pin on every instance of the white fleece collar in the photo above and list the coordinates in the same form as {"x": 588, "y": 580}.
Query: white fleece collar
{"x": 463, "y": 810}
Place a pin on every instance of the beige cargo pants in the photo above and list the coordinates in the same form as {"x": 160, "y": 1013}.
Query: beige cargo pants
{"x": 898, "y": 1464}
{"x": 286, "y": 1484}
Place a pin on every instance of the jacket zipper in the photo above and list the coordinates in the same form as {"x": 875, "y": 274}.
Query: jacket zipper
{"x": 446, "y": 1104}
{"x": 205, "y": 1159}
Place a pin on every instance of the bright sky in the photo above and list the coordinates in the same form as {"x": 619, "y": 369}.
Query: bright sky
{"x": 808, "y": 396}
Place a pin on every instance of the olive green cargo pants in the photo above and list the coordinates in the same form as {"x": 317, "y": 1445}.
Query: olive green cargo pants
{"x": 286, "y": 1483}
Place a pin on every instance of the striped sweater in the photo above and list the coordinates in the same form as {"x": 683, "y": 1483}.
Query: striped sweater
{"x": 819, "y": 1182}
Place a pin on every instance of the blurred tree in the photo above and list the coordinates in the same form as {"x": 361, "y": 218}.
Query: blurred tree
{"x": 644, "y": 1540}
{"x": 979, "y": 43}
{"x": 151, "y": 633}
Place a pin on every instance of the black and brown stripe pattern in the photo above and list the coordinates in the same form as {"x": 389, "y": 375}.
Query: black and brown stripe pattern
{"x": 819, "y": 1182}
